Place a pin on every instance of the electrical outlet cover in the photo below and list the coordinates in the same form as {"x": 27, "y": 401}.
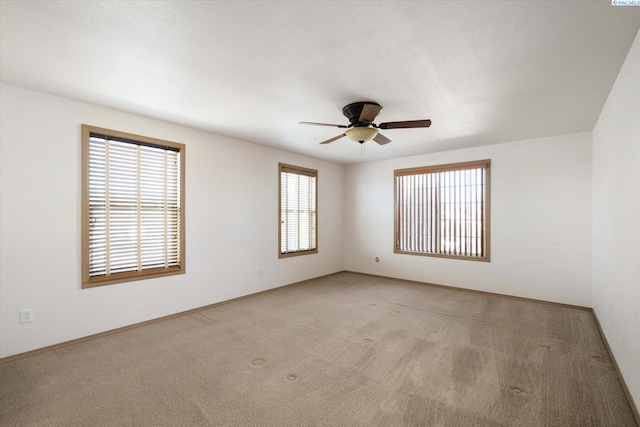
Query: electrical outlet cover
{"x": 26, "y": 315}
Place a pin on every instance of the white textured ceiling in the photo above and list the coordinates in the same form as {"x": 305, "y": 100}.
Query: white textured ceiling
{"x": 483, "y": 72}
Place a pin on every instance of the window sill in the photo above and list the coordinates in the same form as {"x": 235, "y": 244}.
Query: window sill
{"x": 94, "y": 282}
{"x": 299, "y": 253}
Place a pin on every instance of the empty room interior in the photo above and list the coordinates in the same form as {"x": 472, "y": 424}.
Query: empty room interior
{"x": 320, "y": 213}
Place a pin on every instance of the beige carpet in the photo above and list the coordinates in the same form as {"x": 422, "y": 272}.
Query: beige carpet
{"x": 345, "y": 350}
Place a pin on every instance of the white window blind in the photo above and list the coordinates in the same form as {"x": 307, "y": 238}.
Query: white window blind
{"x": 298, "y": 231}
{"x": 134, "y": 207}
{"x": 443, "y": 210}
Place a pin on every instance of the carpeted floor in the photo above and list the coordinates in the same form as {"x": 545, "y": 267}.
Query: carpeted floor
{"x": 344, "y": 350}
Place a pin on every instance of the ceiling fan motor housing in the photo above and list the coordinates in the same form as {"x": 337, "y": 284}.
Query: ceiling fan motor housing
{"x": 353, "y": 111}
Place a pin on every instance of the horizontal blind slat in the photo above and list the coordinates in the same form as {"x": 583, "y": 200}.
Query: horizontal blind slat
{"x": 150, "y": 182}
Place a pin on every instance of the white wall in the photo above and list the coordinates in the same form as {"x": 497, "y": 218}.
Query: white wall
{"x": 540, "y": 221}
{"x": 231, "y": 223}
{"x": 616, "y": 219}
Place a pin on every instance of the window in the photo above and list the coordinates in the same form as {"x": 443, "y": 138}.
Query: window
{"x": 132, "y": 207}
{"x": 443, "y": 210}
{"x": 298, "y": 215}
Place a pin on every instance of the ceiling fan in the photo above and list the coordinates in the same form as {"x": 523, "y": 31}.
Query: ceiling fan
{"x": 361, "y": 129}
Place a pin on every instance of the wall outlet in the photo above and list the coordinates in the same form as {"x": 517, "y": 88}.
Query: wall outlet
{"x": 26, "y": 315}
{"x": 258, "y": 272}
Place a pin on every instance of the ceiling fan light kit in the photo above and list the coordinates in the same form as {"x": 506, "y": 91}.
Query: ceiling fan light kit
{"x": 361, "y": 134}
{"x": 362, "y": 128}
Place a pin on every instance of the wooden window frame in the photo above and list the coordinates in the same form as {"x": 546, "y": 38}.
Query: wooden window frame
{"x": 486, "y": 212}
{"x": 283, "y": 167}
{"x": 91, "y": 282}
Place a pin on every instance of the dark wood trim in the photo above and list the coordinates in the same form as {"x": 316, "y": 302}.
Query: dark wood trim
{"x": 88, "y": 282}
{"x": 486, "y": 218}
{"x": 58, "y": 346}
{"x": 627, "y": 392}
{"x": 475, "y": 164}
{"x": 131, "y": 276}
{"x": 299, "y": 170}
{"x": 283, "y": 167}
{"x": 434, "y": 255}
{"x": 297, "y": 253}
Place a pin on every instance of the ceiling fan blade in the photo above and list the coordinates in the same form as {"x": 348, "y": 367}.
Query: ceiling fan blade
{"x": 381, "y": 139}
{"x": 322, "y": 124}
{"x": 406, "y": 124}
{"x": 369, "y": 112}
{"x": 328, "y": 141}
